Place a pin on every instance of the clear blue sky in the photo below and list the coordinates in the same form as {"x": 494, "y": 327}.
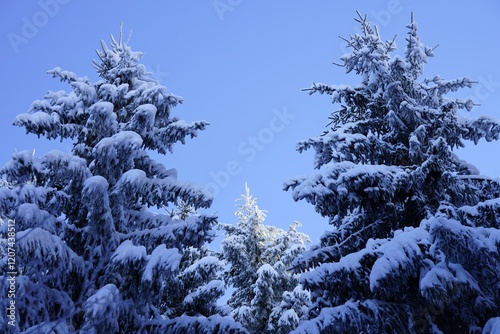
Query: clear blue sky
{"x": 241, "y": 65}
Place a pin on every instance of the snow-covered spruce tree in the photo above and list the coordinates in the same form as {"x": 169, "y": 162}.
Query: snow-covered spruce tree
{"x": 259, "y": 258}
{"x": 92, "y": 256}
{"x": 415, "y": 241}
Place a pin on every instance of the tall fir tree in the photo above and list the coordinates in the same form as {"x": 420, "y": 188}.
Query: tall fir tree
{"x": 92, "y": 256}
{"x": 259, "y": 258}
{"x": 415, "y": 243}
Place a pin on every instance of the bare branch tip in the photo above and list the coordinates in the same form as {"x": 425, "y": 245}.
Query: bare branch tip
{"x": 121, "y": 32}
{"x": 129, "y": 37}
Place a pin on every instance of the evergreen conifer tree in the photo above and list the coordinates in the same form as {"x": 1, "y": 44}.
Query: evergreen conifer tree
{"x": 415, "y": 243}
{"x": 92, "y": 256}
{"x": 259, "y": 258}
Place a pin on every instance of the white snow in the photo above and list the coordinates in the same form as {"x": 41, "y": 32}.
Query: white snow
{"x": 135, "y": 177}
{"x": 32, "y": 216}
{"x": 146, "y": 110}
{"x": 206, "y": 263}
{"x": 492, "y": 326}
{"x": 288, "y": 318}
{"x": 40, "y": 118}
{"x": 120, "y": 139}
{"x": 70, "y": 161}
{"x": 64, "y": 75}
{"x": 436, "y": 278}
{"x": 348, "y": 263}
{"x": 103, "y": 303}
{"x": 162, "y": 258}
{"x": 400, "y": 252}
{"x": 84, "y": 91}
{"x": 267, "y": 269}
{"x": 108, "y": 92}
{"x": 128, "y": 252}
{"x": 36, "y": 244}
{"x": 96, "y": 183}
{"x": 102, "y": 118}
{"x": 216, "y": 286}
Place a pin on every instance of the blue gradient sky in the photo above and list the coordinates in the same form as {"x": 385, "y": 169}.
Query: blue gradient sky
{"x": 241, "y": 66}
